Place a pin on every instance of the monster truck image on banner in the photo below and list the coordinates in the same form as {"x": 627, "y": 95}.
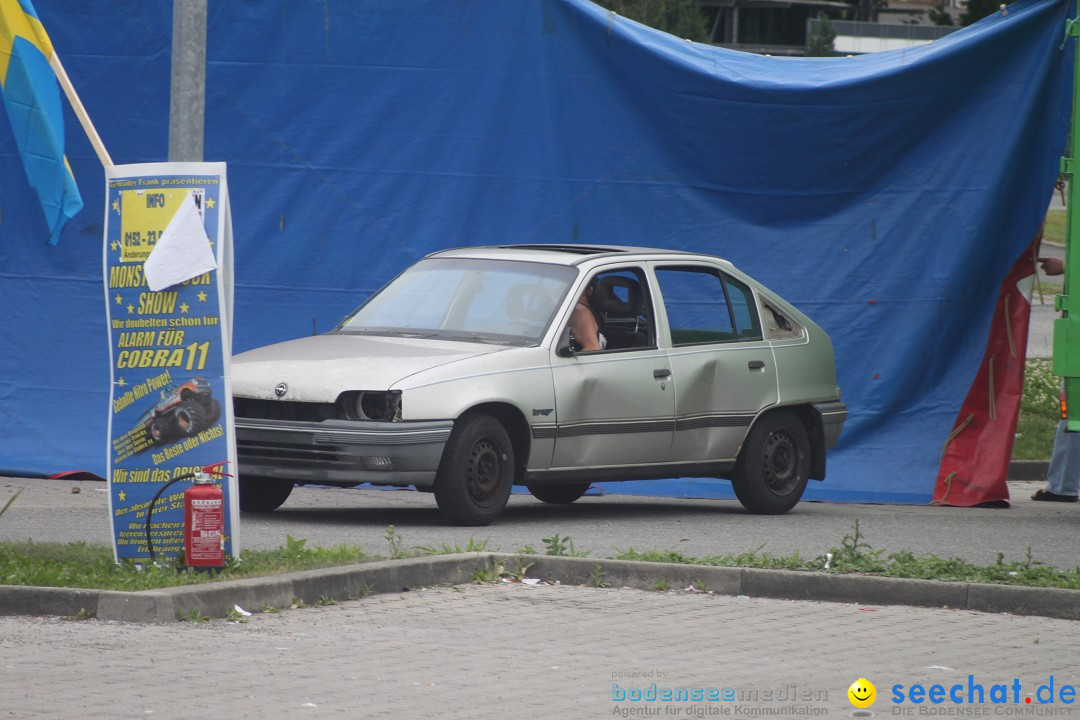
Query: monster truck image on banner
{"x": 168, "y": 290}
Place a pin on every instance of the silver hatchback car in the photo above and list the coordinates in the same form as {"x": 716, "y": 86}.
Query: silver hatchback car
{"x": 462, "y": 377}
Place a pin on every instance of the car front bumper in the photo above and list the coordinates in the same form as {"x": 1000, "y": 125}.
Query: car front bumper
{"x": 342, "y": 452}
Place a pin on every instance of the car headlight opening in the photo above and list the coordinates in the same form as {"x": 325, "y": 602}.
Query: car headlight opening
{"x": 376, "y": 405}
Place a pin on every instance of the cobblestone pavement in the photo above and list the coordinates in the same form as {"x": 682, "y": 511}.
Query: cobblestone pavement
{"x": 520, "y": 651}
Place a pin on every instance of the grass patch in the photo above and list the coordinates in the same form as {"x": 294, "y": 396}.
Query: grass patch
{"x": 855, "y": 555}
{"x": 80, "y": 565}
{"x": 1055, "y": 227}
{"x": 1039, "y": 413}
{"x": 453, "y": 549}
{"x": 1044, "y": 291}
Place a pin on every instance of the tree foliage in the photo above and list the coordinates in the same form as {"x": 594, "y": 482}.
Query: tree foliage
{"x": 939, "y": 17}
{"x": 978, "y": 9}
{"x": 821, "y": 42}
{"x": 682, "y": 18}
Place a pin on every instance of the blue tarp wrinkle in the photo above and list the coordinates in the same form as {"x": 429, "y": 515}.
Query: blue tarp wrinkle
{"x": 887, "y": 195}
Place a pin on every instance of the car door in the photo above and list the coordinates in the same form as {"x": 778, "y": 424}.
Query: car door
{"x": 616, "y": 406}
{"x": 723, "y": 365}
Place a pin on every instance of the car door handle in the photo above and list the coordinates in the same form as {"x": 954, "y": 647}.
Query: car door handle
{"x": 661, "y": 374}
{"x": 756, "y": 364}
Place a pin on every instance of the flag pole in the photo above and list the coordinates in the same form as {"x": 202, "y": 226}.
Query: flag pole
{"x": 80, "y": 111}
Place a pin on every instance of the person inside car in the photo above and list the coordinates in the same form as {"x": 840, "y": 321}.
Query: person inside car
{"x": 586, "y": 324}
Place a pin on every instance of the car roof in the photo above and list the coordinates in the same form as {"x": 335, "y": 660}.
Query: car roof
{"x": 568, "y": 254}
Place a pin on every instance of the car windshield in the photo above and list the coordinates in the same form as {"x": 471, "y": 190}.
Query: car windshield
{"x": 499, "y": 301}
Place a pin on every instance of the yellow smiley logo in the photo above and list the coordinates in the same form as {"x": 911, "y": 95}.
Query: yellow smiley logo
{"x": 862, "y": 693}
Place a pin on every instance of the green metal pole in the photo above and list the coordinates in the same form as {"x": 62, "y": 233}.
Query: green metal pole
{"x": 1066, "y": 359}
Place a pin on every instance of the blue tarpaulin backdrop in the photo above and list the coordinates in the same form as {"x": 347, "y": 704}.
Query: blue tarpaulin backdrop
{"x": 886, "y": 195}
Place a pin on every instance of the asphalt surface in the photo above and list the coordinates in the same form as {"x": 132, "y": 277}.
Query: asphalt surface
{"x": 48, "y": 510}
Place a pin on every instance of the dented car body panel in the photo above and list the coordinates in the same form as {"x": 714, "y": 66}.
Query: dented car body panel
{"x": 697, "y": 354}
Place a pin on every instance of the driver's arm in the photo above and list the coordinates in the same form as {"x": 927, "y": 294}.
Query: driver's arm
{"x": 583, "y": 326}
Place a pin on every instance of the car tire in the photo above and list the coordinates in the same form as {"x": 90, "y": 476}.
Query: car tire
{"x": 476, "y": 472}
{"x": 263, "y": 495}
{"x": 774, "y": 464}
{"x": 189, "y": 418}
{"x": 558, "y": 494}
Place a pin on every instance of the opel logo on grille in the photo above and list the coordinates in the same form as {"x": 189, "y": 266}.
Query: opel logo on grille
{"x": 281, "y": 389}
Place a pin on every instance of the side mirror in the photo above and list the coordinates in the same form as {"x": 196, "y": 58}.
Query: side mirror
{"x": 563, "y": 347}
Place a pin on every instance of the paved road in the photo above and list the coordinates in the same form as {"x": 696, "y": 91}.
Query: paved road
{"x": 47, "y": 510}
{"x": 520, "y": 651}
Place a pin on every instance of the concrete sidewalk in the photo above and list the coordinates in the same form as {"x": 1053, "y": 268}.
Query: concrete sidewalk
{"x": 517, "y": 651}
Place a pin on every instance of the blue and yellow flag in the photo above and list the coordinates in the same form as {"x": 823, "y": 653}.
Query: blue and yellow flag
{"x": 32, "y": 98}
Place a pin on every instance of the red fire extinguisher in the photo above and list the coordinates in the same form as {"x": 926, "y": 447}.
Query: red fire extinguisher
{"x": 204, "y": 517}
{"x": 204, "y": 523}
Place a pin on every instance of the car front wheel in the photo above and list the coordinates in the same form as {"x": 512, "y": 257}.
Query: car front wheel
{"x": 262, "y": 495}
{"x": 476, "y": 472}
{"x": 774, "y": 464}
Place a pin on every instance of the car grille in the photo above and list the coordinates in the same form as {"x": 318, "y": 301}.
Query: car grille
{"x": 287, "y": 454}
{"x": 283, "y": 410}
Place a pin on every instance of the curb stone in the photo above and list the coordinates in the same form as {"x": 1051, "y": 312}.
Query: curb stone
{"x": 1028, "y": 470}
{"x": 390, "y": 576}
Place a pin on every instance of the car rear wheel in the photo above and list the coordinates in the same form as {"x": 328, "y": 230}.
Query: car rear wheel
{"x": 473, "y": 482}
{"x": 774, "y": 464}
{"x": 558, "y": 494}
{"x": 263, "y": 495}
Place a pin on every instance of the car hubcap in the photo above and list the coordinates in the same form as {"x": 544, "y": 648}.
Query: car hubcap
{"x": 485, "y": 472}
{"x": 781, "y": 463}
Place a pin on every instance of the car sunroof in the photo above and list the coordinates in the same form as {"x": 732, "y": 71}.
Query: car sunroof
{"x": 575, "y": 249}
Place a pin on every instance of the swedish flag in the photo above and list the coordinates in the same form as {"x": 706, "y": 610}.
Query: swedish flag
{"x": 32, "y": 98}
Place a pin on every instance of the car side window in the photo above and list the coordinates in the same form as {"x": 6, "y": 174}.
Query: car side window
{"x": 620, "y": 304}
{"x": 779, "y": 326}
{"x": 743, "y": 309}
{"x": 706, "y": 306}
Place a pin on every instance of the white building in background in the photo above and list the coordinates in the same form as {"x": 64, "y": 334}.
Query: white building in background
{"x": 856, "y": 38}
{"x": 782, "y": 27}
